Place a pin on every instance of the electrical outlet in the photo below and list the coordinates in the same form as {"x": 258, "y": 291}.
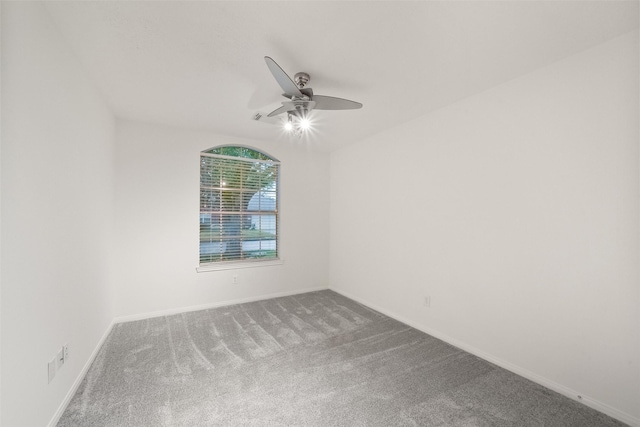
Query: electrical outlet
{"x": 51, "y": 368}
{"x": 235, "y": 279}
{"x": 427, "y": 301}
{"x": 65, "y": 349}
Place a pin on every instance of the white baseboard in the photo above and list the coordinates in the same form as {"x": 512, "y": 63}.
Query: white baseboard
{"x": 170, "y": 311}
{"x": 79, "y": 378}
{"x": 559, "y": 388}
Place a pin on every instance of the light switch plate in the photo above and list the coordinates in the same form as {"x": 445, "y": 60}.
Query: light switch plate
{"x": 60, "y": 359}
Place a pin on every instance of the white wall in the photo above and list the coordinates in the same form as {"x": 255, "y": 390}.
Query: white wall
{"x": 57, "y": 213}
{"x": 157, "y": 217}
{"x": 517, "y": 211}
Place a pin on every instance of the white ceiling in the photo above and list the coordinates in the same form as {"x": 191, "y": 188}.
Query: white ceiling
{"x": 199, "y": 64}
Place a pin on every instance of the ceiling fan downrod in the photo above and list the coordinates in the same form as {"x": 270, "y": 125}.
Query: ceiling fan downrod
{"x": 301, "y": 79}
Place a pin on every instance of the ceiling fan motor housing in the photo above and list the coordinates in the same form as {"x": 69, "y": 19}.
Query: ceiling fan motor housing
{"x": 301, "y": 79}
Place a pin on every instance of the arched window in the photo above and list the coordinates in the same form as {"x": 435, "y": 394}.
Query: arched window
{"x": 238, "y": 205}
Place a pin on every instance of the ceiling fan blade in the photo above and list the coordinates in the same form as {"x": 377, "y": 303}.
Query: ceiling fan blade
{"x": 278, "y": 111}
{"x": 262, "y": 117}
{"x": 285, "y": 82}
{"x": 297, "y": 108}
{"x": 333, "y": 103}
{"x": 263, "y": 97}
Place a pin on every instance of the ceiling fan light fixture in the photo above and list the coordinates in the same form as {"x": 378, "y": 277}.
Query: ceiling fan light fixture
{"x": 296, "y": 124}
{"x": 288, "y": 125}
{"x": 305, "y": 123}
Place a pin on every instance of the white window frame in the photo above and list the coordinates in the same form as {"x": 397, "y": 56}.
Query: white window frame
{"x": 243, "y": 262}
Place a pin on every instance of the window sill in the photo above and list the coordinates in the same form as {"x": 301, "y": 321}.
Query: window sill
{"x": 239, "y": 265}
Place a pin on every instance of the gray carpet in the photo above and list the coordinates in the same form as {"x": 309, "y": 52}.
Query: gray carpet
{"x": 316, "y": 359}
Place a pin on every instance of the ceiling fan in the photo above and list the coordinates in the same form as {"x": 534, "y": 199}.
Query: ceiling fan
{"x": 301, "y": 98}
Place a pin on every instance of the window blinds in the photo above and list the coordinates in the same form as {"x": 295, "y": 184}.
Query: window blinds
{"x": 238, "y": 209}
